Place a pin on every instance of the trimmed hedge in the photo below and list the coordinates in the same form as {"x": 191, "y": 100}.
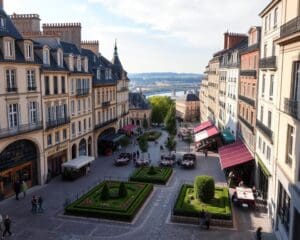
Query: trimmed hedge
{"x": 152, "y": 135}
{"x": 183, "y": 207}
{"x": 204, "y": 188}
{"x": 161, "y": 176}
{"x": 96, "y": 211}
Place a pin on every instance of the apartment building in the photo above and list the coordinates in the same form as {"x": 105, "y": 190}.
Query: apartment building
{"x": 213, "y": 88}
{"x": 21, "y": 128}
{"x": 203, "y": 95}
{"x": 287, "y": 221}
{"x": 267, "y": 114}
{"x": 248, "y": 89}
{"x": 139, "y": 109}
{"x": 187, "y": 107}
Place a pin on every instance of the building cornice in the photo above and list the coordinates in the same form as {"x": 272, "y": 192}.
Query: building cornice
{"x": 268, "y": 8}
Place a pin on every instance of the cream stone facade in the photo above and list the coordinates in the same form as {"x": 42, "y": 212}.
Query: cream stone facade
{"x": 187, "y": 108}
{"x": 139, "y": 110}
{"x": 213, "y": 88}
{"x": 203, "y": 95}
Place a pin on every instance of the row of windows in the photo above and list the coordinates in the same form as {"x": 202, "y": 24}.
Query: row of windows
{"x": 55, "y": 85}
{"x": 106, "y": 115}
{"x": 82, "y": 127}
{"x": 105, "y": 96}
{"x": 264, "y": 148}
{"x": 271, "y": 87}
{"x": 248, "y": 89}
{"x": 271, "y": 20}
{"x": 9, "y": 50}
{"x": 269, "y": 117}
{"x": 83, "y": 106}
{"x": 58, "y": 137}
{"x": 11, "y": 80}
{"x": 246, "y": 113}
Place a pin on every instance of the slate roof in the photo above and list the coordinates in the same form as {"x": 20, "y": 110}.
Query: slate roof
{"x": 191, "y": 97}
{"x": 10, "y": 29}
{"x": 138, "y": 101}
{"x": 69, "y": 48}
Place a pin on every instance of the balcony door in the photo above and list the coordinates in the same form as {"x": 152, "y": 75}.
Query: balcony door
{"x": 13, "y": 115}
{"x": 295, "y": 82}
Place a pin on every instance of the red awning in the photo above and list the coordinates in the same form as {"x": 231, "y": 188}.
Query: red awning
{"x": 202, "y": 126}
{"x": 234, "y": 154}
{"x": 129, "y": 128}
{"x": 207, "y": 133}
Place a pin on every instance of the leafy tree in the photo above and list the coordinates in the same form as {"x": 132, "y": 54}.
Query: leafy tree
{"x": 170, "y": 121}
{"x": 122, "y": 190}
{"x": 204, "y": 188}
{"x": 160, "y": 106}
{"x": 104, "y": 195}
{"x": 145, "y": 123}
{"x": 171, "y": 144}
{"x": 124, "y": 141}
{"x": 143, "y": 144}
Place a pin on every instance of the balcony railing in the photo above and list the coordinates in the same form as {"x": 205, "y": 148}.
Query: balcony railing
{"x": 265, "y": 130}
{"x": 82, "y": 92}
{"x": 247, "y": 100}
{"x": 12, "y": 89}
{"x": 269, "y": 62}
{"x": 289, "y": 28}
{"x": 251, "y": 48}
{"x": 230, "y": 65}
{"x": 20, "y": 129}
{"x": 123, "y": 89}
{"x": 248, "y": 73}
{"x": 106, "y": 104}
{"x": 101, "y": 125}
{"x": 291, "y": 107}
{"x": 58, "y": 122}
{"x": 246, "y": 123}
{"x": 31, "y": 88}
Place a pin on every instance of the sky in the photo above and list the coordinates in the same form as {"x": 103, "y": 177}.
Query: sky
{"x": 152, "y": 35}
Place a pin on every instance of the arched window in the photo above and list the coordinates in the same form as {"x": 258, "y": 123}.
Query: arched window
{"x": 59, "y": 58}
{"x": 74, "y": 151}
{"x": 82, "y": 147}
{"x": 46, "y": 56}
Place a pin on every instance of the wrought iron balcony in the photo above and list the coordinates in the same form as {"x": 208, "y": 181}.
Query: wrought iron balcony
{"x": 291, "y": 107}
{"x": 289, "y": 28}
{"x": 20, "y": 129}
{"x": 265, "y": 130}
{"x": 104, "y": 124}
{"x": 12, "y": 89}
{"x": 58, "y": 122}
{"x": 31, "y": 88}
{"x": 268, "y": 62}
{"x": 246, "y": 123}
{"x": 82, "y": 92}
{"x": 248, "y": 73}
{"x": 247, "y": 100}
{"x": 106, "y": 104}
{"x": 230, "y": 65}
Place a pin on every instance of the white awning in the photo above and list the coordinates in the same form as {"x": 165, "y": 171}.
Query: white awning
{"x": 78, "y": 162}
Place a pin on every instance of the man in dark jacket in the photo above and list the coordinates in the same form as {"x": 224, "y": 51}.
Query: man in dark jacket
{"x": 7, "y": 223}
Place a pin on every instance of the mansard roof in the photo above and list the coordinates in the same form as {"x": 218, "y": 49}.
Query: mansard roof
{"x": 9, "y": 30}
{"x": 138, "y": 101}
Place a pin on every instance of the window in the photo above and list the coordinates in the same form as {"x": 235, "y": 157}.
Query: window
{"x": 284, "y": 203}
{"x": 78, "y": 64}
{"x": 269, "y": 119}
{"x": 84, "y": 105}
{"x": 270, "y": 19}
{"x": 28, "y": 51}
{"x": 296, "y": 81}
{"x": 273, "y": 49}
{"x": 289, "y": 145}
{"x": 72, "y": 107}
{"x": 33, "y": 116}
{"x": 71, "y": 63}
{"x": 264, "y": 148}
{"x": 47, "y": 85}
{"x": 265, "y": 50}
{"x": 268, "y": 153}
{"x": 2, "y": 23}
{"x": 9, "y": 48}
{"x": 56, "y": 137}
{"x": 98, "y": 74}
{"x": 275, "y": 17}
{"x": 64, "y": 134}
{"x": 261, "y": 113}
{"x": 63, "y": 85}
{"x": 78, "y": 107}
{"x": 49, "y": 140}
{"x": 46, "y": 57}
{"x": 89, "y": 104}
{"x": 73, "y": 130}
{"x": 90, "y": 123}
{"x": 72, "y": 86}
{"x": 79, "y": 127}
{"x": 13, "y": 115}
{"x": 84, "y": 125}
{"x": 55, "y": 84}
{"x": 59, "y": 58}
{"x": 271, "y": 90}
{"x": 266, "y": 24}
{"x": 263, "y": 84}
{"x": 31, "y": 83}
{"x": 259, "y": 143}
{"x": 11, "y": 80}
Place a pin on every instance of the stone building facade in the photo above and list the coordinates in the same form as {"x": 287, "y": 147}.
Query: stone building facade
{"x": 187, "y": 108}
{"x": 139, "y": 109}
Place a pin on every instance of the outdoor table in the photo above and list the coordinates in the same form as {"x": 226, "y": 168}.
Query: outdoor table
{"x": 245, "y": 196}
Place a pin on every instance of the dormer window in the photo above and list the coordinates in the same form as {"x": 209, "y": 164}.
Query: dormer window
{"x": 86, "y": 69}
{"x": 98, "y": 74}
{"x": 71, "y": 63}
{"x": 9, "y": 48}
{"x": 28, "y": 51}
{"x": 2, "y": 23}
{"x": 78, "y": 64}
{"x": 59, "y": 58}
{"x": 46, "y": 56}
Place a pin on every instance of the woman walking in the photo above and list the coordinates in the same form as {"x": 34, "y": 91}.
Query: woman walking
{"x": 24, "y": 188}
{"x": 7, "y": 223}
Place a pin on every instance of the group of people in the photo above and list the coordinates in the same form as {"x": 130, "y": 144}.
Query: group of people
{"x": 37, "y": 204}
{"x": 20, "y": 186}
{"x": 5, "y": 226}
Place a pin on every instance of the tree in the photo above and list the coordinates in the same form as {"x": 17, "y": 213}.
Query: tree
{"x": 170, "y": 121}
{"x": 160, "y": 106}
{"x": 124, "y": 141}
{"x": 122, "y": 190}
{"x": 143, "y": 144}
{"x": 204, "y": 188}
{"x": 189, "y": 139}
{"x": 104, "y": 195}
{"x": 145, "y": 123}
{"x": 171, "y": 144}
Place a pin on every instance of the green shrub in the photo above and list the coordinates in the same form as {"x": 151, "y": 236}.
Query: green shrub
{"x": 161, "y": 175}
{"x": 204, "y": 188}
{"x": 122, "y": 190}
{"x": 152, "y": 171}
{"x": 104, "y": 196}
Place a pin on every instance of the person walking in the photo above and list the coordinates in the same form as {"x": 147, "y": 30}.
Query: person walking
{"x": 40, "y": 205}
{"x": 17, "y": 189}
{"x": 7, "y": 224}
{"x": 258, "y": 233}
{"x": 24, "y": 188}
{"x": 34, "y": 205}
{"x": 1, "y": 223}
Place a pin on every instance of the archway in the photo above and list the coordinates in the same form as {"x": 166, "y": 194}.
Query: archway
{"x": 74, "y": 151}
{"x": 18, "y": 162}
{"x": 102, "y": 144}
{"x": 138, "y": 122}
{"x": 132, "y": 121}
{"x": 82, "y": 147}
{"x": 90, "y": 146}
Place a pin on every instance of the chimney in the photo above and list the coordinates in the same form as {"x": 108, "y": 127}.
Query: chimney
{"x": 1, "y": 4}
{"x": 232, "y": 39}
{"x": 226, "y": 40}
{"x": 91, "y": 45}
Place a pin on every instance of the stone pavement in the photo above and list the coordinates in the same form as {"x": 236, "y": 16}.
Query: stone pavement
{"x": 152, "y": 221}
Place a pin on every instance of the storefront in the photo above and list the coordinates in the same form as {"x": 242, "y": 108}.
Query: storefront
{"x": 18, "y": 162}
{"x": 263, "y": 176}
{"x": 56, "y": 156}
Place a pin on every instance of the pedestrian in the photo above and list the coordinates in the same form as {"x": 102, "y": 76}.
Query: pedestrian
{"x": 137, "y": 154}
{"x": 205, "y": 153}
{"x": 7, "y": 223}
{"x": 207, "y": 220}
{"x": 1, "y": 223}
{"x": 34, "y": 204}
{"x": 24, "y": 188}
{"x": 17, "y": 188}
{"x": 40, "y": 205}
{"x": 258, "y": 233}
